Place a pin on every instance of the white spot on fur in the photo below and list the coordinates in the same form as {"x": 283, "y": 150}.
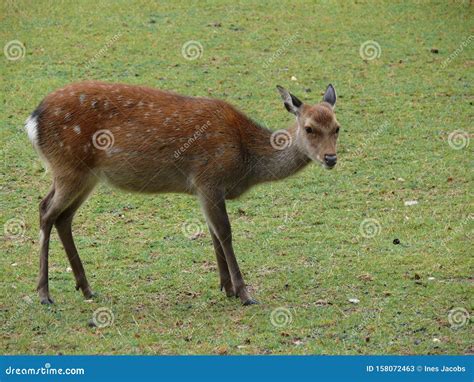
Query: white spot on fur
{"x": 68, "y": 117}
{"x": 94, "y": 104}
{"x": 77, "y": 129}
{"x": 82, "y": 98}
{"x": 114, "y": 150}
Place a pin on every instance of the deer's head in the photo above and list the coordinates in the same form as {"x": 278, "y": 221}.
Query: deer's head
{"x": 317, "y": 128}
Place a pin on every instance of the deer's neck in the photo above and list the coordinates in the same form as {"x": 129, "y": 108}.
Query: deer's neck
{"x": 277, "y": 160}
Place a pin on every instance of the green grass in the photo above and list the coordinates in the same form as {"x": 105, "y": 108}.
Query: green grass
{"x": 298, "y": 241}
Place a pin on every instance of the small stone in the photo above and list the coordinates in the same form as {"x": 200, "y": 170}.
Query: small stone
{"x": 293, "y": 78}
{"x": 91, "y": 324}
{"x": 68, "y": 269}
{"x": 354, "y": 300}
{"x": 411, "y": 202}
{"x": 431, "y": 278}
{"x": 396, "y": 241}
{"x": 435, "y": 50}
{"x": 436, "y": 340}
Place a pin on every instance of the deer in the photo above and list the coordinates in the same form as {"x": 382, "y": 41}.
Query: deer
{"x": 141, "y": 139}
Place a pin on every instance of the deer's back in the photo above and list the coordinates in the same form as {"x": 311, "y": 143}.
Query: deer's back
{"x": 139, "y": 138}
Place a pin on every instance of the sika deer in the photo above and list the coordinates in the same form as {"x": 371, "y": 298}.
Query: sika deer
{"x": 146, "y": 140}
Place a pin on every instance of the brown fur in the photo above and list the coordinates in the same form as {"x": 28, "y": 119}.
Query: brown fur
{"x": 163, "y": 142}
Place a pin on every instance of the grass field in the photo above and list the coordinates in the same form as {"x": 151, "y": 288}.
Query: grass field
{"x": 306, "y": 245}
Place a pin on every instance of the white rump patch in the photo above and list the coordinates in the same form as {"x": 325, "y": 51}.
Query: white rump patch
{"x": 77, "y": 129}
{"x": 31, "y": 126}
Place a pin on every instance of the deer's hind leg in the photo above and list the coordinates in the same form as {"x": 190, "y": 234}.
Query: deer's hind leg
{"x": 63, "y": 225}
{"x": 62, "y": 195}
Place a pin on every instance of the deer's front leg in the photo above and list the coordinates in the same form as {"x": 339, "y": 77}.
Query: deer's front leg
{"x": 213, "y": 205}
{"x": 224, "y": 275}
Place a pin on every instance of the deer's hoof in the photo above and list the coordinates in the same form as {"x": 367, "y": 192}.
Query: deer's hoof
{"x": 88, "y": 294}
{"x": 47, "y": 301}
{"x": 251, "y": 301}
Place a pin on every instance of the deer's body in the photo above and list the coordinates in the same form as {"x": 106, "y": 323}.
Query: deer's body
{"x": 146, "y": 140}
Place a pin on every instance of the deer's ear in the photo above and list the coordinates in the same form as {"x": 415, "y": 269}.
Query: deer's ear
{"x": 330, "y": 96}
{"x": 292, "y": 104}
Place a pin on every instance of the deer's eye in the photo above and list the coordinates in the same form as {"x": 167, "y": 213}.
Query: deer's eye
{"x": 308, "y": 129}
{"x": 337, "y": 130}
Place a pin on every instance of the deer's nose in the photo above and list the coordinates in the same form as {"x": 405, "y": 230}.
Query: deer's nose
{"x": 330, "y": 160}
